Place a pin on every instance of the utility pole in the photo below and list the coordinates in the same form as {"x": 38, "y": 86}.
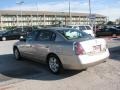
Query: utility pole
{"x": 20, "y": 4}
{"x": 90, "y": 13}
{"x": 37, "y": 17}
{"x": 1, "y": 22}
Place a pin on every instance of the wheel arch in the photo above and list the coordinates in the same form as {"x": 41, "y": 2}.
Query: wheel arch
{"x": 14, "y": 47}
{"x": 53, "y": 54}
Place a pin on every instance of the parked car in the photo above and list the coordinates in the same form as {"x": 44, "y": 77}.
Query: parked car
{"x": 85, "y": 28}
{"x": 62, "y": 48}
{"x": 17, "y": 33}
{"x": 26, "y": 30}
{"x": 108, "y": 32}
{"x": 11, "y": 35}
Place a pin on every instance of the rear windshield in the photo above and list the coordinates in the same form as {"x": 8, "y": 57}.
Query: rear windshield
{"x": 71, "y": 34}
{"x": 82, "y": 28}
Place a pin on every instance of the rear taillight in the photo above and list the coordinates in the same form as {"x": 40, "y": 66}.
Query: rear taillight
{"x": 78, "y": 49}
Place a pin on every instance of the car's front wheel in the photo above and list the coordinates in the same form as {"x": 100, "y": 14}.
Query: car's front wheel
{"x": 54, "y": 64}
{"x": 17, "y": 54}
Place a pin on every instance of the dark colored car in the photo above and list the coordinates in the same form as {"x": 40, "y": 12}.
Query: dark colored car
{"x": 26, "y": 30}
{"x": 108, "y": 32}
{"x": 15, "y": 34}
{"x": 11, "y": 35}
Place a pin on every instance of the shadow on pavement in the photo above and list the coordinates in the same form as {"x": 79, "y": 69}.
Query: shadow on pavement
{"x": 26, "y": 69}
{"x": 115, "y": 53}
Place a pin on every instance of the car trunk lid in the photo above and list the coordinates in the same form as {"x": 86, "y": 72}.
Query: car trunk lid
{"x": 93, "y": 46}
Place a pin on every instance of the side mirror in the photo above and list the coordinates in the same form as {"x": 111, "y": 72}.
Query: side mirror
{"x": 22, "y": 39}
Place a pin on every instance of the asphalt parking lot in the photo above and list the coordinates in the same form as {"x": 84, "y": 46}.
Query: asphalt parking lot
{"x": 28, "y": 75}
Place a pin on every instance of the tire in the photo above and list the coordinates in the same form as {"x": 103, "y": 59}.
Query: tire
{"x": 3, "y": 38}
{"x": 16, "y": 54}
{"x": 54, "y": 64}
{"x": 114, "y": 35}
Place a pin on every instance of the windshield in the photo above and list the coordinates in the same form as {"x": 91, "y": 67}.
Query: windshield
{"x": 72, "y": 34}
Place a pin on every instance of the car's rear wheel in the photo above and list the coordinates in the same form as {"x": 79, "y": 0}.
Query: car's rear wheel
{"x": 17, "y": 54}
{"x": 54, "y": 64}
{"x": 3, "y": 38}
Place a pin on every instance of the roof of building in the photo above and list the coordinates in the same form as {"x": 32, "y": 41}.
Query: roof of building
{"x": 15, "y": 12}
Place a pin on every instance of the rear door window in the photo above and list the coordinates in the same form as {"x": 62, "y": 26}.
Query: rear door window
{"x": 16, "y": 32}
{"x": 45, "y": 35}
{"x": 8, "y": 33}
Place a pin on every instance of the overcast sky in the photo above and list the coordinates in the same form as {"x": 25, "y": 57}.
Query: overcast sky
{"x": 110, "y": 8}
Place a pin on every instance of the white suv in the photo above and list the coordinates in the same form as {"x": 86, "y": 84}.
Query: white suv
{"x": 85, "y": 28}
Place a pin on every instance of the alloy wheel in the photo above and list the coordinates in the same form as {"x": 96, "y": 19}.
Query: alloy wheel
{"x": 16, "y": 54}
{"x": 54, "y": 64}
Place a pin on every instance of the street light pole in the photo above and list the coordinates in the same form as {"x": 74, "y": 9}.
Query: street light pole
{"x": 92, "y": 17}
{"x": 37, "y": 20}
{"x": 70, "y": 21}
{"x": 90, "y": 12}
{"x": 20, "y": 4}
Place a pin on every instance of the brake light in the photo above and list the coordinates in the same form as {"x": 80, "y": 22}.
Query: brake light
{"x": 78, "y": 49}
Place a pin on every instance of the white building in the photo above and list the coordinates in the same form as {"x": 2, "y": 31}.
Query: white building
{"x": 10, "y": 18}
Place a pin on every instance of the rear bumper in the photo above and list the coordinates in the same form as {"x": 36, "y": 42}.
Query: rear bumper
{"x": 79, "y": 62}
{"x": 80, "y": 66}
{"x": 94, "y": 63}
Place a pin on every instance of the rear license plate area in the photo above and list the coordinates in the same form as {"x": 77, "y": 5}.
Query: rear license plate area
{"x": 97, "y": 48}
